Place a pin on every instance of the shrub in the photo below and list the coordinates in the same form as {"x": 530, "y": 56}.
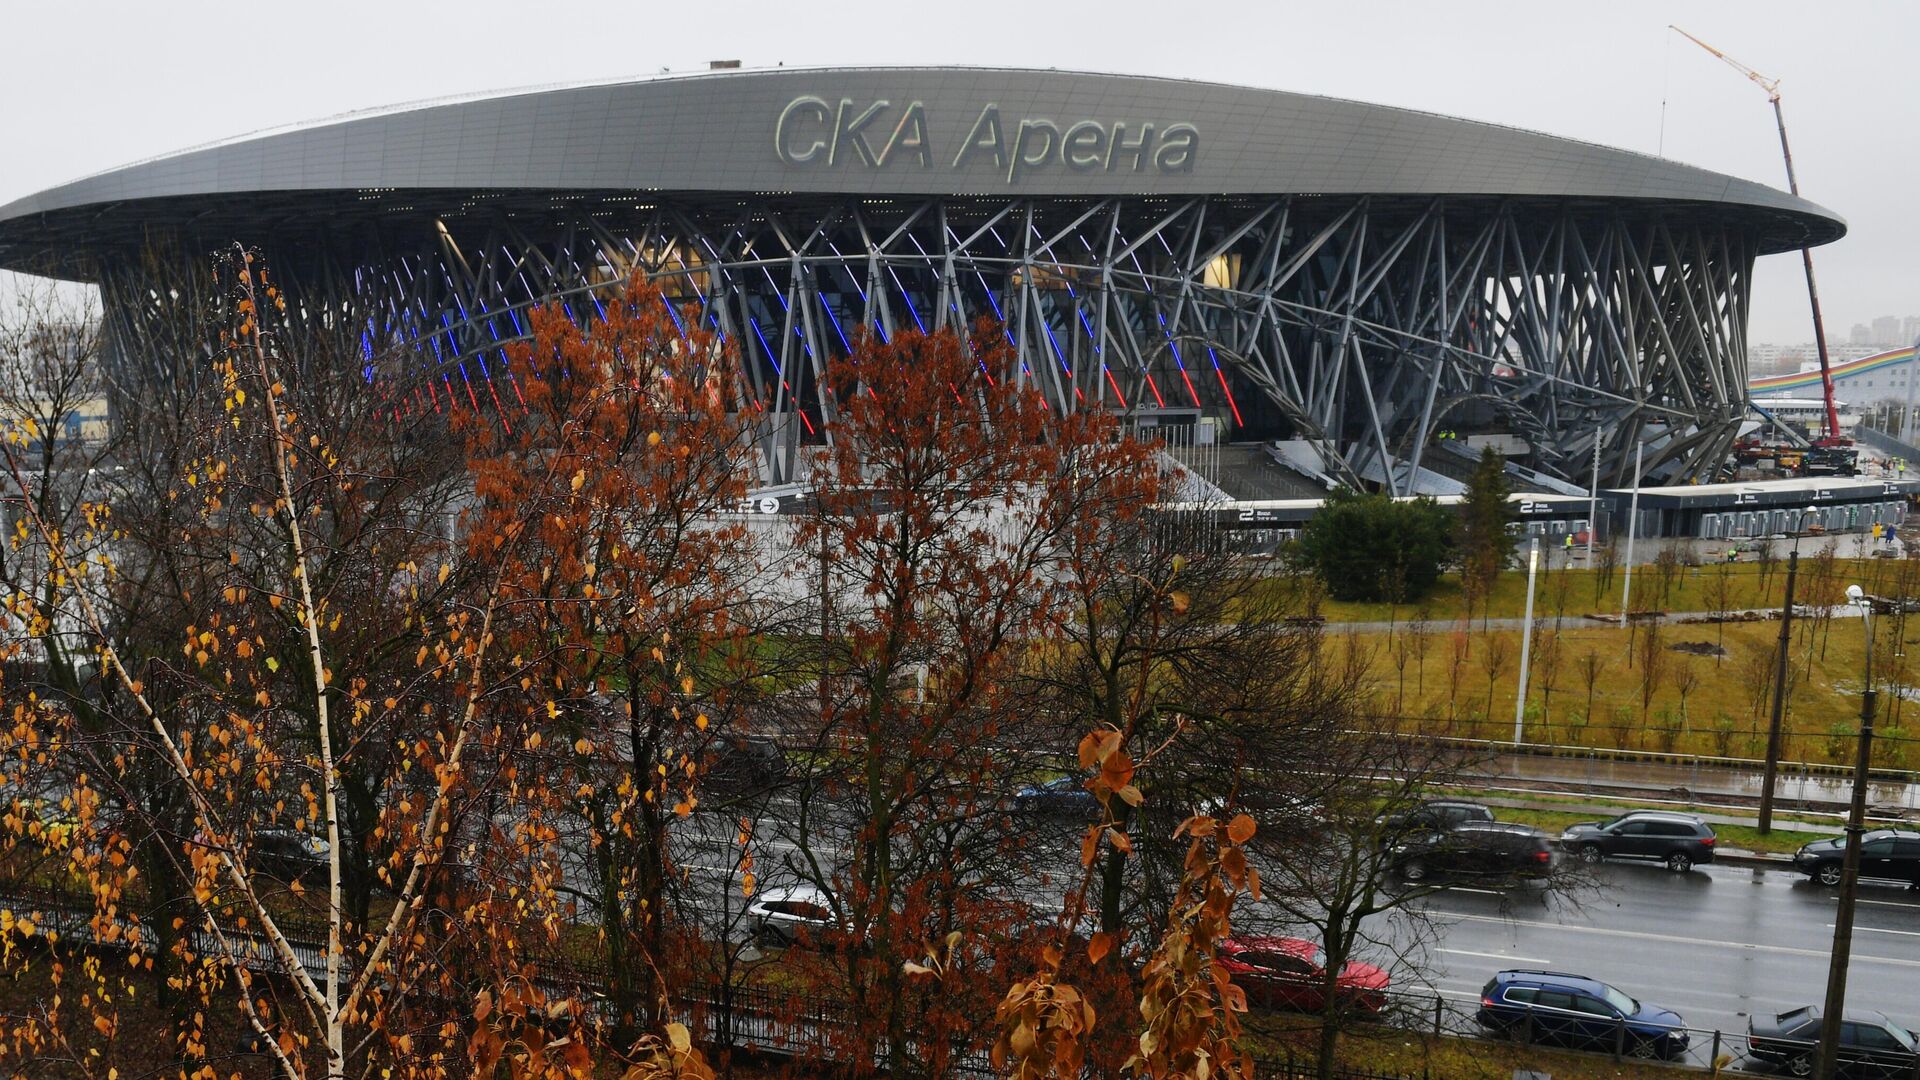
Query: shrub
{"x": 1373, "y": 548}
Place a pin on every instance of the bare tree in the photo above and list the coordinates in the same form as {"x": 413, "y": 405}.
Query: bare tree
{"x": 1421, "y": 627}
{"x": 1546, "y": 667}
{"x": 1652, "y": 657}
{"x": 1590, "y": 668}
{"x": 1686, "y": 676}
{"x": 1607, "y": 559}
{"x": 1719, "y": 597}
{"x": 1496, "y": 652}
{"x": 1666, "y": 567}
{"x": 1357, "y": 883}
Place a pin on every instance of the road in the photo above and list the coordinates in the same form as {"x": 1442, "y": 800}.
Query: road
{"x": 1713, "y": 945}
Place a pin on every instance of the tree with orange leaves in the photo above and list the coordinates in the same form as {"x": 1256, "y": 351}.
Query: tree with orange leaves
{"x": 937, "y": 503}
{"x": 626, "y": 609}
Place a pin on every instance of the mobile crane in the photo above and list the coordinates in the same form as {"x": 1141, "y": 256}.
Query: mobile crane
{"x": 1831, "y": 453}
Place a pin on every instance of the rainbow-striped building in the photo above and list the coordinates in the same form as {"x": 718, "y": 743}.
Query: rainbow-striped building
{"x": 1858, "y": 382}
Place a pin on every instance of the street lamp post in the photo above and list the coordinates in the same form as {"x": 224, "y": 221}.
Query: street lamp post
{"x": 1526, "y": 641}
{"x": 1827, "y": 1063}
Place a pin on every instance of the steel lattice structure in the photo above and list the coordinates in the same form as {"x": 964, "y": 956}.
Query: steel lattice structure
{"x": 1442, "y": 276}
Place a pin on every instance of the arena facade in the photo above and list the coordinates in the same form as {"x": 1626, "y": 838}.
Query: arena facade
{"x": 1366, "y": 286}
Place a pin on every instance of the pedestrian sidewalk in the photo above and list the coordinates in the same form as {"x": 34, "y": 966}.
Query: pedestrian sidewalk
{"x": 1793, "y": 787}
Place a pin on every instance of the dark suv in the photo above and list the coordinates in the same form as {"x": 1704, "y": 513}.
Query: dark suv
{"x": 1679, "y": 840}
{"x": 1433, "y": 815}
{"x": 1884, "y": 853}
{"x": 1573, "y": 1010}
{"x": 1482, "y": 849}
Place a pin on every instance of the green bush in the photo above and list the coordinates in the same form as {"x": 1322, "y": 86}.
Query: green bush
{"x": 1372, "y": 548}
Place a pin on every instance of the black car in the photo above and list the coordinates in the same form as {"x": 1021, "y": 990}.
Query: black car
{"x": 1574, "y": 1010}
{"x": 1434, "y": 815}
{"x": 1066, "y": 795}
{"x": 739, "y": 764}
{"x": 288, "y": 854}
{"x": 1480, "y": 849}
{"x": 1884, "y": 853}
{"x": 1681, "y": 841}
{"x": 1870, "y": 1044}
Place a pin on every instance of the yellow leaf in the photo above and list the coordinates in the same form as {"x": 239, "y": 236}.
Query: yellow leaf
{"x": 677, "y": 1035}
{"x": 579, "y": 478}
{"x": 445, "y": 569}
{"x": 273, "y": 664}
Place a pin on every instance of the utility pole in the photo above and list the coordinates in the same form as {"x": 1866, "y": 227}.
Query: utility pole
{"x": 1593, "y": 499}
{"x": 1633, "y": 527}
{"x": 1526, "y": 640}
{"x": 1779, "y": 700}
{"x": 1835, "y": 1008}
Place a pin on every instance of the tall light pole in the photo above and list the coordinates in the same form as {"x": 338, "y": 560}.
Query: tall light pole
{"x": 1526, "y": 640}
{"x": 1827, "y": 1064}
{"x": 1633, "y": 527}
{"x": 1593, "y": 501}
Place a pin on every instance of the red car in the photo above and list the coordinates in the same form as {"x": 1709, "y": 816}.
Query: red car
{"x": 1289, "y": 973}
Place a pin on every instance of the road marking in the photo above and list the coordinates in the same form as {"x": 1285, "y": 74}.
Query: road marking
{"x": 1882, "y": 903}
{"x": 1881, "y": 930}
{"x": 1704, "y": 943}
{"x": 1482, "y": 892}
{"x": 1497, "y": 956}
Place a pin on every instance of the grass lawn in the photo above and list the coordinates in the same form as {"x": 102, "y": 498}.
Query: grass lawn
{"x": 1745, "y": 837}
{"x": 1591, "y": 685}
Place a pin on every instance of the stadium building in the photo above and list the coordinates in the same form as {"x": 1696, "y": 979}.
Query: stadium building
{"x": 1332, "y": 291}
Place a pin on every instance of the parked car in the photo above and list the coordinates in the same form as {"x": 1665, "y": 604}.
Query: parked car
{"x": 1681, "y": 841}
{"x": 1870, "y": 1043}
{"x": 1431, "y": 816}
{"x": 1480, "y": 849}
{"x": 784, "y": 917}
{"x": 1066, "y": 796}
{"x": 740, "y": 763}
{"x": 1290, "y": 973}
{"x": 1884, "y": 853}
{"x": 288, "y": 854}
{"x": 1576, "y": 1011}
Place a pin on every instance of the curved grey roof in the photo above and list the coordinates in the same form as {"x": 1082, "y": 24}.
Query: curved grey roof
{"x": 919, "y": 131}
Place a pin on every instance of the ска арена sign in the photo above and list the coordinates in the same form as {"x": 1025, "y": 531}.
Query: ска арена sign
{"x": 813, "y": 131}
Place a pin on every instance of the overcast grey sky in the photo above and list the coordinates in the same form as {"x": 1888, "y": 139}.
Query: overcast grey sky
{"x": 85, "y": 86}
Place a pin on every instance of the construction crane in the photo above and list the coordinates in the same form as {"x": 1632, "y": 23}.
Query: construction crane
{"x": 1833, "y": 441}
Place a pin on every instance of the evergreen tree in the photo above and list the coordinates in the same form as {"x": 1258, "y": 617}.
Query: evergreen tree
{"x": 1374, "y": 548}
{"x": 1485, "y": 545}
